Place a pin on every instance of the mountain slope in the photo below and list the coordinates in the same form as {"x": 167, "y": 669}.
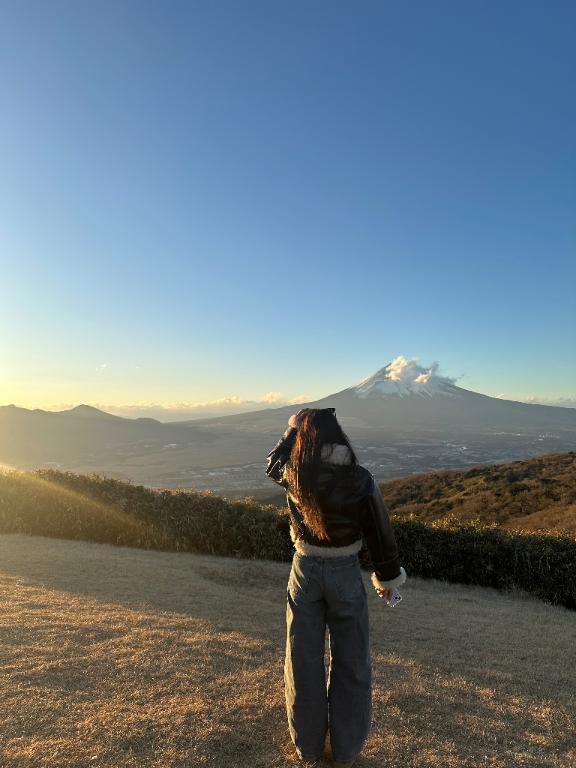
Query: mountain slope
{"x": 537, "y": 493}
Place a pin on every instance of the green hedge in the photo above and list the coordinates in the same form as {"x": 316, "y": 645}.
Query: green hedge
{"x": 96, "y": 508}
{"x": 474, "y": 553}
{"x": 48, "y": 502}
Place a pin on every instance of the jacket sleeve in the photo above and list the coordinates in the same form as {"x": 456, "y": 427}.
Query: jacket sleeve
{"x": 380, "y": 541}
{"x": 279, "y": 455}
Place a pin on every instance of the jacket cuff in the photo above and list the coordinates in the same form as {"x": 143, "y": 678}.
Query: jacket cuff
{"x": 400, "y": 579}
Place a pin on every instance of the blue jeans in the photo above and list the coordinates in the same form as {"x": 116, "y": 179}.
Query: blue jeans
{"x": 327, "y": 591}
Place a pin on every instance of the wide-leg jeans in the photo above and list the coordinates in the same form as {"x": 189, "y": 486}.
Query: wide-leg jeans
{"x": 327, "y": 592}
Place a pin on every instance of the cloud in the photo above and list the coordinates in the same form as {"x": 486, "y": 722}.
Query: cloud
{"x": 102, "y": 367}
{"x": 299, "y": 399}
{"x": 566, "y": 401}
{"x": 563, "y": 402}
{"x": 273, "y": 397}
{"x": 410, "y": 372}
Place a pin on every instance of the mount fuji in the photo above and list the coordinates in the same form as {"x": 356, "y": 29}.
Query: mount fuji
{"x": 404, "y": 399}
{"x": 404, "y": 378}
{"x": 401, "y": 419}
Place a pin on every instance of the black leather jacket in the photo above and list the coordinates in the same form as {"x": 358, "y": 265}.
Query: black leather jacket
{"x": 353, "y": 508}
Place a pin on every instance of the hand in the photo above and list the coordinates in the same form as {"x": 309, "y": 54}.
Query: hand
{"x": 385, "y": 592}
{"x": 294, "y": 420}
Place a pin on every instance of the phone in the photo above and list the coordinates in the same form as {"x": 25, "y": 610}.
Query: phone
{"x": 395, "y": 599}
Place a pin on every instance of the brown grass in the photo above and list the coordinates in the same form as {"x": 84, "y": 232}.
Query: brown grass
{"x": 536, "y": 493}
{"x": 126, "y": 657}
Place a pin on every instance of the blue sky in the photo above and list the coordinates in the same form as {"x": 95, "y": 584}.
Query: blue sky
{"x": 260, "y": 201}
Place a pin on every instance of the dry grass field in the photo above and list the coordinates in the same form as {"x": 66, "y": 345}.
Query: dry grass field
{"x": 127, "y": 657}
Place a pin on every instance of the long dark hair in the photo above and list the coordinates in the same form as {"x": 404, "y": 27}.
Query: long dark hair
{"x": 315, "y": 427}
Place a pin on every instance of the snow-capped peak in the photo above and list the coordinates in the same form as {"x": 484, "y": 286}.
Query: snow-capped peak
{"x": 405, "y": 377}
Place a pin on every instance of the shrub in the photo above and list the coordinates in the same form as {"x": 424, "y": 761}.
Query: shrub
{"x": 474, "y": 553}
{"x": 96, "y": 508}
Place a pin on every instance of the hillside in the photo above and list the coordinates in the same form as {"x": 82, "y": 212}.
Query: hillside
{"x": 131, "y": 658}
{"x": 537, "y": 493}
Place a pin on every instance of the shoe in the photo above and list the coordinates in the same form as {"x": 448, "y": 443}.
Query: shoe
{"x": 343, "y": 765}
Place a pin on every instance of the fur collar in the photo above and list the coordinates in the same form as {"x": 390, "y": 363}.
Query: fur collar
{"x": 336, "y": 453}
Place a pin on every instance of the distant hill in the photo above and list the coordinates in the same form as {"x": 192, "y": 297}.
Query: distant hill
{"x": 536, "y": 493}
{"x": 401, "y": 420}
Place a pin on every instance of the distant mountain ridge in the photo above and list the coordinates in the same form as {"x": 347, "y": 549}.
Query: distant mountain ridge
{"x": 81, "y": 411}
{"x": 401, "y": 419}
{"x": 399, "y": 379}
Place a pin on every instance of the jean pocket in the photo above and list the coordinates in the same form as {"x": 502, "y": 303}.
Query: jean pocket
{"x": 299, "y": 579}
{"x": 349, "y": 584}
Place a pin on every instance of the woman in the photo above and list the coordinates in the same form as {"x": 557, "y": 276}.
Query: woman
{"x": 334, "y": 504}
